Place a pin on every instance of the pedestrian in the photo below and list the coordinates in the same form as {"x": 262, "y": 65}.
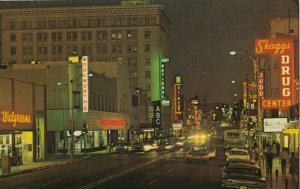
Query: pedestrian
{"x": 274, "y": 148}
{"x": 284, "y": 156}
{"x": 277, "y": 148}
{"x": 293, "y": 161}
{"x": 269, "y": 160}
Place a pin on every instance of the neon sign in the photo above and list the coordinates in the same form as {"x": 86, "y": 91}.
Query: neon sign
{"x": 85, "y": 84}
{"x": 15, "y": 118}
{"x": 177, "y": 96}
{"x": 284, "y": 48}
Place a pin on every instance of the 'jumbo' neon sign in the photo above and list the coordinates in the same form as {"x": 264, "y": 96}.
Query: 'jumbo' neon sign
{"x": 14, "y": 118}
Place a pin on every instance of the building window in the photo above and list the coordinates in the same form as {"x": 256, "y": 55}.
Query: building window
{"x": 13, "y": 50}
{"x": 153, "y": 20}
{"x": 147, "y": 74}
{"x": 13, "y": 37}
{"x": 147, "y": 47}
{"x": 86, "y": 36}
{"x": 74, "y": 23}
{"x": 116, "y": 34}
{"x": 114, "y": 48}
{"x": 134, "y": 100}
{"x": 42, "y": 50}
{"x": 12, "y": 25}
{"x": 27, "y": 51}
{"x": 147, "y": 34}
{"x": 148, "y": 87}
{"x": 101, "y": 35}
{"x": 147, "y": 21}
{"x": 71, "y": 36}
{"x": 56, "y": 36}
{"x": 132, "y": 48}
{"x": 76, "y": 99}
{"x": 102, "y": 48}
{"x": 117, "y": 21}
{"x": 57, "y": 50}
{"x": 42, "y": 37}
{"x": 27, "y": 37}
{"x": 147, "y": 61}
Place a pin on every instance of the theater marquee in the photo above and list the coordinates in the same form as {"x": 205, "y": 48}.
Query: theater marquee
{"x": 284, "y": 49}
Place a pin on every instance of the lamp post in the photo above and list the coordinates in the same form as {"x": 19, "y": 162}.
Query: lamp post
{"x": 59, "y": 84}
{"x": 143, "y": 93}
{"x": 255, "y": 64}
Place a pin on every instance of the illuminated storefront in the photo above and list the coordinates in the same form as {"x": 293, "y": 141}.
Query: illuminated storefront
{"x": 22, "y": 125}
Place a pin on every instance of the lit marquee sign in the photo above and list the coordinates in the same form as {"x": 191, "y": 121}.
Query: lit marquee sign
{"x": 15, "y": 118}
{"x": 244, "y": 94}
{"x": 113, "y": 123}
{"x": 284, "y": 48}
{"x": 177, "y": 98}
{"x": 163, "y": 90}
{"x": 85, "y": 84}
{"x": 261, "y": 77}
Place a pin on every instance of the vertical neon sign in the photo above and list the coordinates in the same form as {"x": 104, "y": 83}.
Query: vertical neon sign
{"x": 85, "y": 84}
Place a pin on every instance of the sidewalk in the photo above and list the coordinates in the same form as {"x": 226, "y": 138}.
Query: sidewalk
{"x": 53, "y": 160}
{"x": 282, "y": 181}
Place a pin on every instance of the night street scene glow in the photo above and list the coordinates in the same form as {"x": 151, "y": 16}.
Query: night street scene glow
{"x": 149, "y": 94}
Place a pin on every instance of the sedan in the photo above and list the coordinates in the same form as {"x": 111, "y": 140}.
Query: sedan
{"x": 233, "y": 161}
{"x": 121, "y": 147}
{"x": 197, "y": 153}
{"x": 242, "y": 175}
{"x": 237, "y": 153}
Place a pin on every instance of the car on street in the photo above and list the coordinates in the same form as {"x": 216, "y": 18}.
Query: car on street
{"x": 122, "y": 147}
{"x": 150, "y": 145}
{"x": 137, "y": 147}
{"x": 243, "y": 175}
{"x": 197, "y": 153}
{"x": 237, "y": 153}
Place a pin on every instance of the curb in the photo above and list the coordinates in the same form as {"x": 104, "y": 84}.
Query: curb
{"x": 5, "y": 175}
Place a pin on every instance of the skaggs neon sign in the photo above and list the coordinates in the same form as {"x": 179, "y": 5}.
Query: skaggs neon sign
{"x": 14, "y": 118}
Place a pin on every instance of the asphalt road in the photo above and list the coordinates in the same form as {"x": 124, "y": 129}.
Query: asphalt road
{"x": 122, "y": 171}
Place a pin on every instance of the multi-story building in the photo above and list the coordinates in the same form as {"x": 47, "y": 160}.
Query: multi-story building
{"x": 133, "y": 33}
{"x": 286, "y": 29}
{"x": 107, "y": 118}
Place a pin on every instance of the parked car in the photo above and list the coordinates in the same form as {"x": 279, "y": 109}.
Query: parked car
{"x": 229, "y": 147}
{"x": 237, "y": 153}
{"x": 121, "y": 147}
{"x": 232, "y": 161}
{"x": 243, "y": 175}
{"x": 197, "y": 153}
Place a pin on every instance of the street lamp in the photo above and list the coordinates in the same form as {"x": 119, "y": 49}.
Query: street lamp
{"x": 255, "y": 64}
{"x": 143, "y": 93}
{"x": 61, "y": 87}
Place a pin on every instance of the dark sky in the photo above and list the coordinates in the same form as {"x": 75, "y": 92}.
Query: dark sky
{"x": 203, "y": 33}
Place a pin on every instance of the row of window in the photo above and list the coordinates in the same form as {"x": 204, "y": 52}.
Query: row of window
{"x": 84, "y": 36}
{"x": 79, "y": 22}
{"x": 97, "y": 102}
{"x": 85, "y": 49}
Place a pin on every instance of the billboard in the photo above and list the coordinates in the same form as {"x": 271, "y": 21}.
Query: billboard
{"x": 274, "y": 124}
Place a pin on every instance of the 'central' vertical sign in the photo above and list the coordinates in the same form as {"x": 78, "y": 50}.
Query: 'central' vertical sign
{"x": 85, "y": 84}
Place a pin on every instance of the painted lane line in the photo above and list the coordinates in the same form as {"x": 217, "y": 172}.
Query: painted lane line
{"x": 153, "y": 181}
{"x": 49, "y": 183}
{"x": 169, "y": 171}
{"x": 91, "y": 185}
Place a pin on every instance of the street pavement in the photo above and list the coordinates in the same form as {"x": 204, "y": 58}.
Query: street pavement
{"x": 283, "y": 181}
{"x": 52, "y": 161}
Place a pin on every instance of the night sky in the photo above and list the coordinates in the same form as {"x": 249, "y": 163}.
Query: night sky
{"x": 203, "y": 33}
